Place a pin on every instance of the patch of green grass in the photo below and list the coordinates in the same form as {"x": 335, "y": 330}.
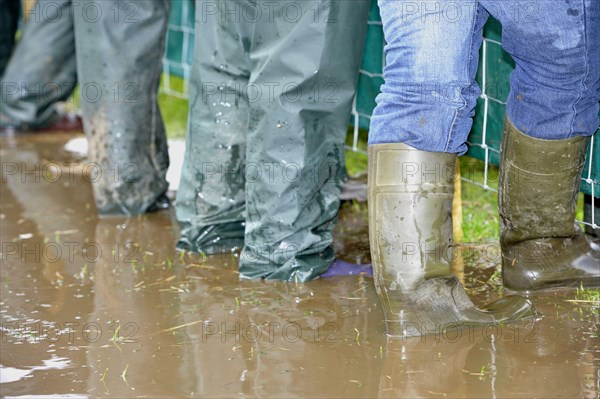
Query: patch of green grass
{"x": 579, "y": 215}
{"x": 356, "y": 162}
{"x": 480, "y": 207}
{"x": 591, "y": 295}
{"x": 174, "y": 109}
{"x": 72, "y": 103}
{"x": 588, "y": 308}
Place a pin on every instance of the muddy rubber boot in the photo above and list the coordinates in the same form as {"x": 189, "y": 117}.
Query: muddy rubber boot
{"x": 410, "y": 230}
{"x": 539, "y": 183}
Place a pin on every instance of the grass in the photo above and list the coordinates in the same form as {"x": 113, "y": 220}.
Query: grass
{"x": 481, "y": 222}
{"x": 356, "y": 162}
{"x": 589, "y": 295}
{"x": 588, "y": 308}
{"x": 174, "y": 109}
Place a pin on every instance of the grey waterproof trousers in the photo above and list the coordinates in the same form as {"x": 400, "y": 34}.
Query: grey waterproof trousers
{"x": 119, "y": 61}
{"x": 42, "y": 70}
{"x": 270, "y": 97}
{"x": 115, "y": 49}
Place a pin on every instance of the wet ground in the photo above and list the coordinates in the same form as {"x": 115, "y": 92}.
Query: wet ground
{"x": 107, "y": 307}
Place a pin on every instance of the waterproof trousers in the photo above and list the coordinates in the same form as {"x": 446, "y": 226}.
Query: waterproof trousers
{"x": 115, "y": 50}
{"x": 271, "y": 94}
{"x": 43, "y": 68}
{"x": 120, "y": 46}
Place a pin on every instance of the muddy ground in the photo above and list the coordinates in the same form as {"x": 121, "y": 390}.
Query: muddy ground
{"x": 107, "y": 307}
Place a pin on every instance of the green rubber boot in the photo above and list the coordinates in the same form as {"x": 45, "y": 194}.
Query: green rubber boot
{"x": 410, "y": 229}
{"x": 539, "y": 183}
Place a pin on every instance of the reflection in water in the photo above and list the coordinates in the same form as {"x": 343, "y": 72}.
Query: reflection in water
{"x": 108, "y": 308}
{"x": 11, "y": 374}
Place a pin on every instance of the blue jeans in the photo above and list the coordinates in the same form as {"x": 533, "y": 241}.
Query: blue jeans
{"x": 430, "y": 92}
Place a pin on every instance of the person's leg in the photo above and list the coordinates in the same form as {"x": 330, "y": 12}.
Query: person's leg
{"x": 211, "y": 196}
{"x": 552, "y": 110}
{"x": 120, "y": 46}
{"x": 429, "y": 94}
{"x": 9, "y": 20}
{"x": 555, "y": 87}
{"x": 303, "y": 81}
{"x": 421, "y": 122}
{"x": 42, "y": 70}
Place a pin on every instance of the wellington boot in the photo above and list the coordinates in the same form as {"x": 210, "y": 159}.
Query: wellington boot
{"x": 539, "y": 183}
{"x": 410, "y": 229}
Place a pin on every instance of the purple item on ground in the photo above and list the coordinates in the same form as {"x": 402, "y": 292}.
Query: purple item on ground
{"x": 341, "y": 268}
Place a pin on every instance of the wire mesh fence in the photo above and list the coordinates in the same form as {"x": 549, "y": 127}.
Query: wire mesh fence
{"x": 484, "y": 141}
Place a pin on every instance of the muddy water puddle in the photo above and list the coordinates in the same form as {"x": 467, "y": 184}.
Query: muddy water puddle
{"x": 107, "y": 307}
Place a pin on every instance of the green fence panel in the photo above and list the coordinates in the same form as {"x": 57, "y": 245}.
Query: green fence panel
{"x": 371, "y": 72}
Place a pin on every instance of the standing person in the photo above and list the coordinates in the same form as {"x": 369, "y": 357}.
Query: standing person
{"x": 115, "y": 49}
{"x": 119, "y": 47}
{"x": 421, "y": 123}
{"x": 271, "y": 93}
{"x": 42, "y": 71}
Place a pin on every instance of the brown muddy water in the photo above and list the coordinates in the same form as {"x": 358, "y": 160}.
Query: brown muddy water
{"x": 106, "y": 307}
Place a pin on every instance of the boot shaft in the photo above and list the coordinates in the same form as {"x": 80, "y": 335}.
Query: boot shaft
{"x": 410, "y": 230}
{"x": 410, "y": 213}
{"x": 538, "y": 186}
